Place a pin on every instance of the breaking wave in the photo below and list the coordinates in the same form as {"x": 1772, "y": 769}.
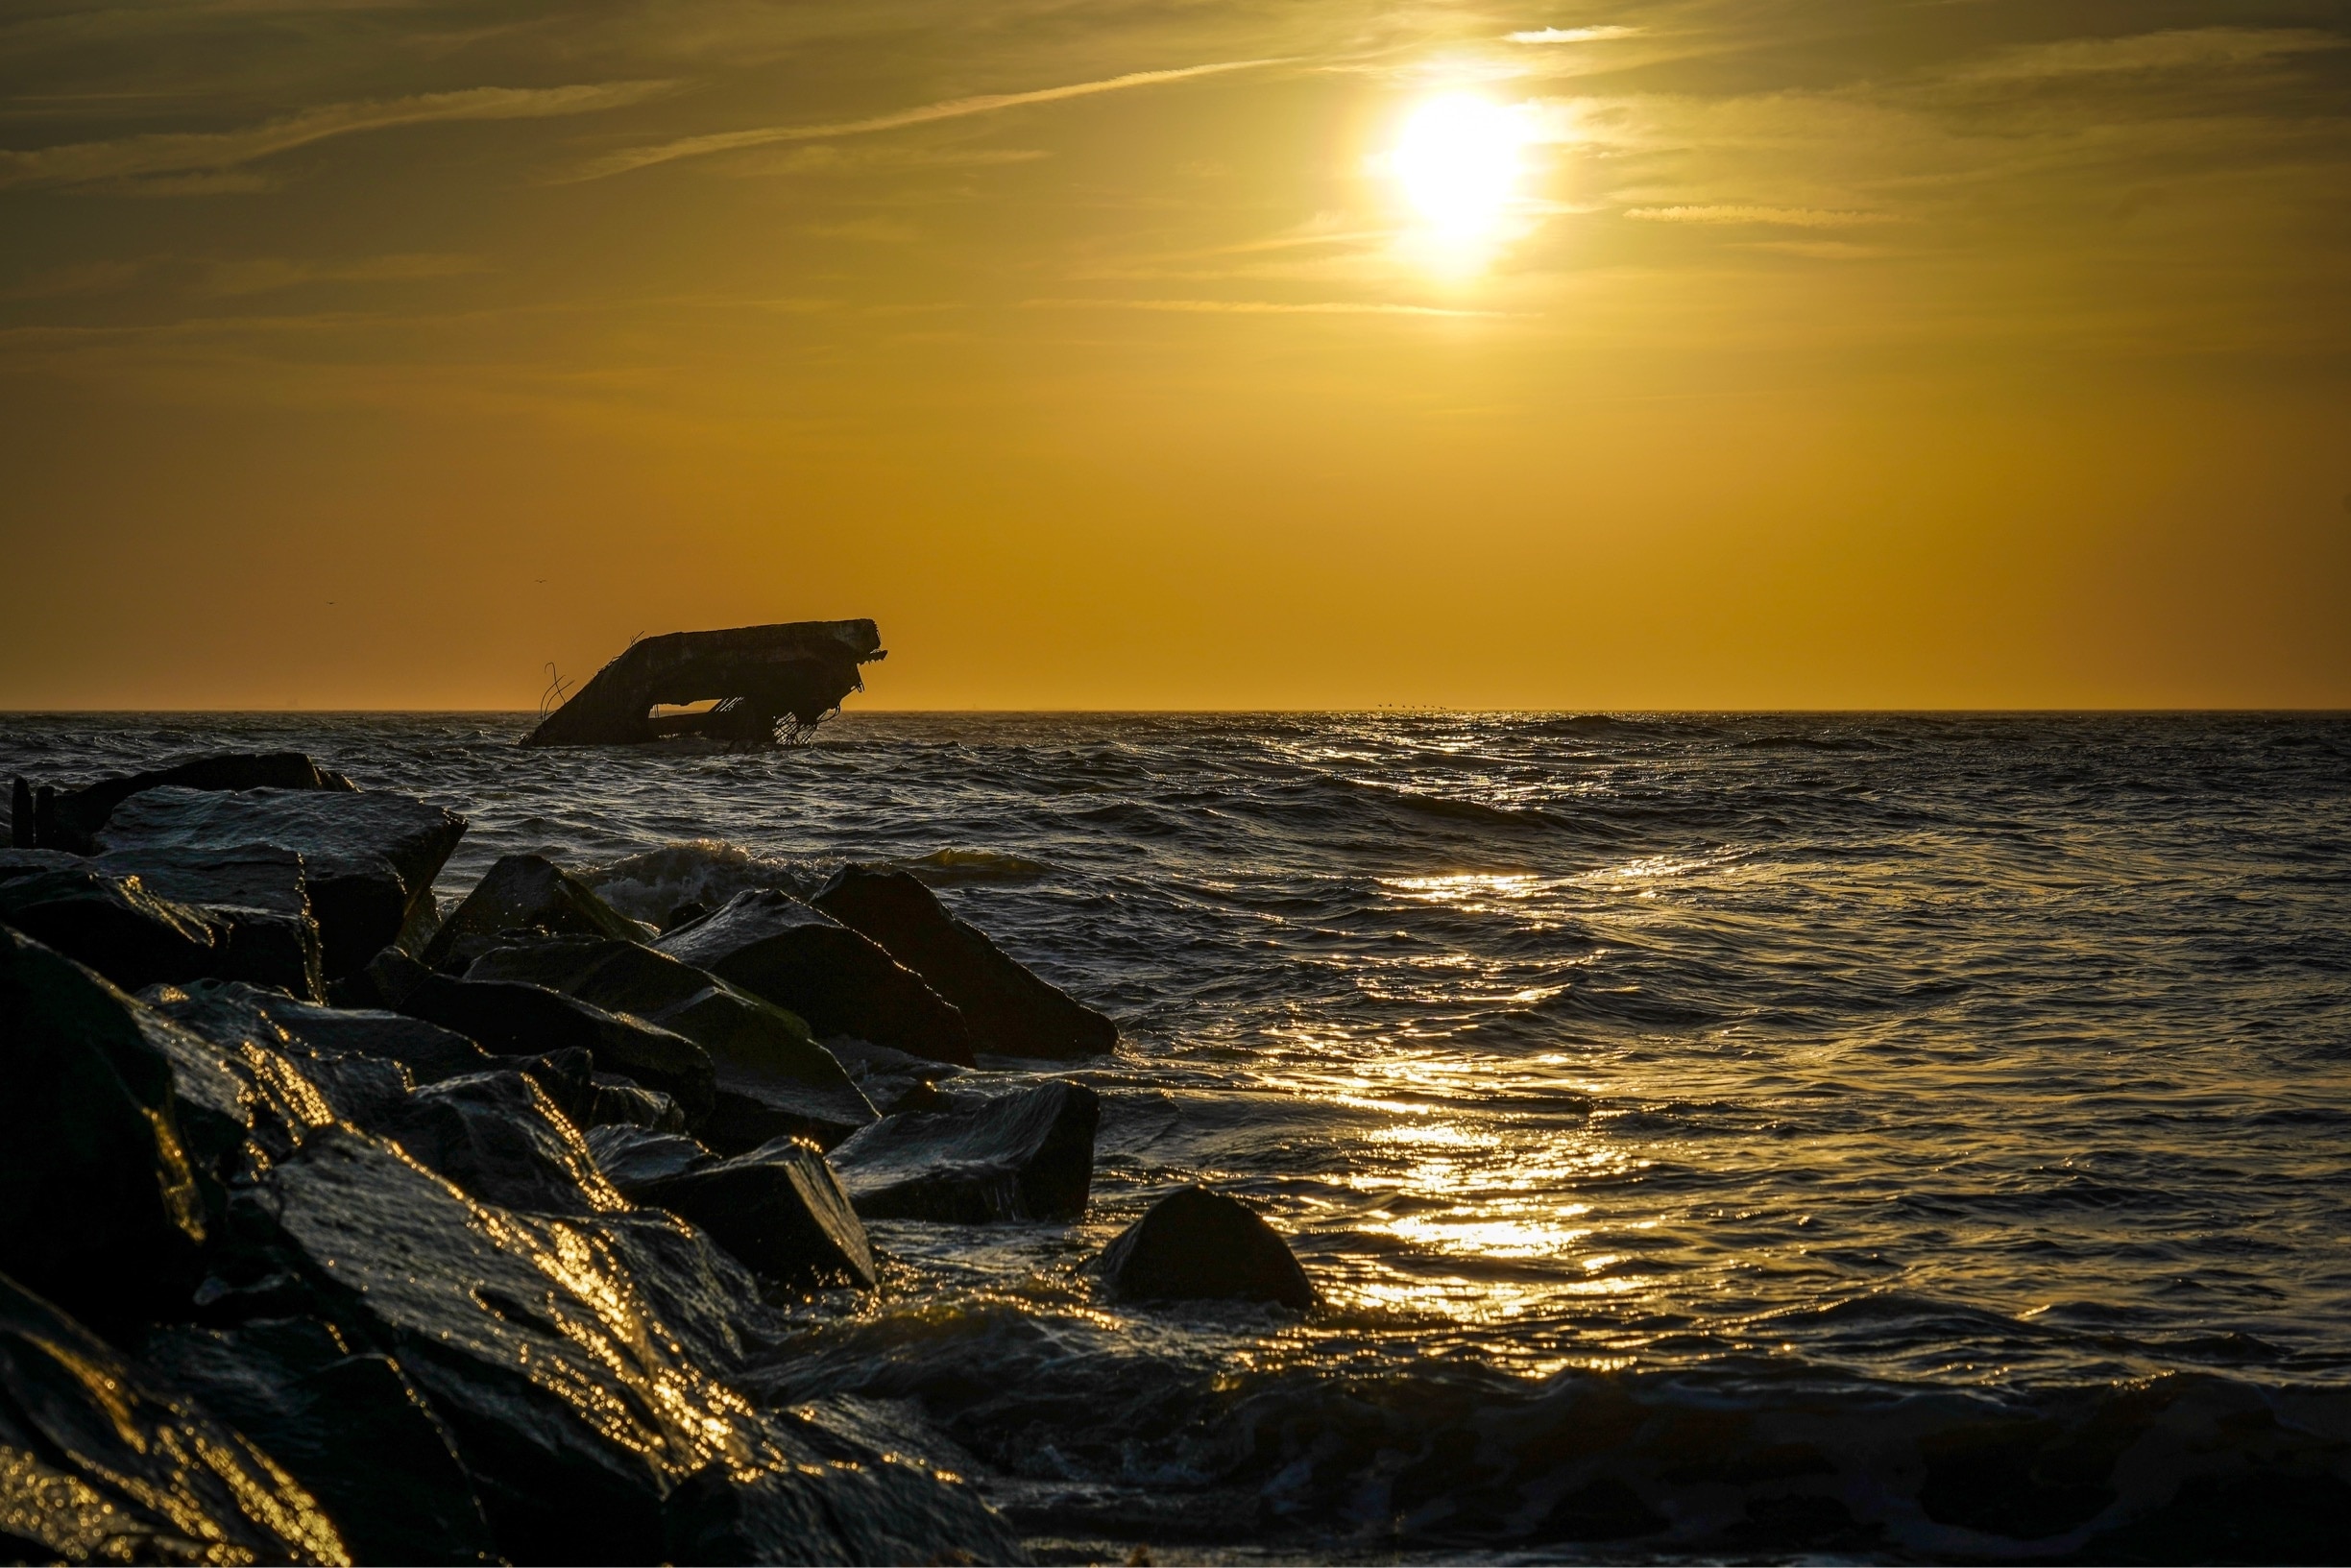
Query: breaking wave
{"x": 706, "y": 871}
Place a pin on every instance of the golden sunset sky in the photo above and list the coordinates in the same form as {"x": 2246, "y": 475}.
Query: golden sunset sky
{"x": 1710, "y": 354}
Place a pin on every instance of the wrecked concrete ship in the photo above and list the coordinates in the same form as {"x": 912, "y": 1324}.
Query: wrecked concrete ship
{"x": 763, "y": 685}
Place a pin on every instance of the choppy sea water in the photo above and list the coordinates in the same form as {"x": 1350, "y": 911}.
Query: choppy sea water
{"x": 1915, "y": 1137}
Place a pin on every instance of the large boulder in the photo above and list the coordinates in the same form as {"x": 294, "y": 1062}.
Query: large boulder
{"x": 798, "y": 956}
{"x": 571, "y": 1360}
{"x": 1199, "y": 1244}
{"x": 99, "y": 1209}
{"x": 69, "y": 819}
{"x": 1020, "y": 1156}
{"x": 114, "y": 925}
{"x": 773, "y": 1080}
{"x": 512, "y": 1018}
{"x": 257, "y": 895}
{"x": 351, "y": 1429}
{"x": 777, "y": 1209}
{"x": 524, "y": 895}
{"x": 632, "y": 1156}
{"x": 501, "y": 1139}
{"x": 100, "y": 1463}
{"x": 370, "y": 855}
{"x": 1010, "y": 1011}
{"x": 219, "y": 1009}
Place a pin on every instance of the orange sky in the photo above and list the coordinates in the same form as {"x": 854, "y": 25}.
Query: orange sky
{"x": 375, "y": 354}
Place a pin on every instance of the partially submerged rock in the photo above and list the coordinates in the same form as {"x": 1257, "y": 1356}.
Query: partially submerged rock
{"x": 349, "y": 1427}
{"x": 1199, "y": 1244}
{"x": 369, "y": 857}
{"x": 777, "y": 1209}
{"x": 761, "y": 677}
{"x": 100, "y": 1463}
{"x": 99, "y": 1210}
{"x": 1021, "y": 1156}
{"x": 524, "y": 895}
{"x": 1011, "y": 1010}
{"x": 798, "y": 956}
{"x": 772, "y": 1079}
{"x": 69, "y": 819}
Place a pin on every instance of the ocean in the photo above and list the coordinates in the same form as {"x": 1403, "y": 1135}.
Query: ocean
{"x": 1829, "y": 1136}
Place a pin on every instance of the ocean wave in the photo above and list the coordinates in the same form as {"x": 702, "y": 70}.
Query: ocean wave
{"x": 649, "y": 885}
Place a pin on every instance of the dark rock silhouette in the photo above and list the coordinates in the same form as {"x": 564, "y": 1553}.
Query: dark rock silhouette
{"x": 509, "y": 1018}
{"x": 798, "y": 956}
{"x": 114, "y": 925}
{"x": 100, "y": 1463}
{"x": 892, "y": 1080}
{"x": 761, "y": 677}
{"x": 777, "y": 1209}
{"x": 524, "y": 895}
{"x": 351, "y": 1427}
{"x": 1010, "y": 1011}
{"x": 1023, "y": 1156}
{"x": 1199, "y": 1244}
{"x": 619, "y": 1101}
{"x": 773, "y": 1080}
{"x": 874, "y": 1509}
{"x": 70, "y": 818}
{"x": 369, "y": 857}
{"x": 99, "y": 1210}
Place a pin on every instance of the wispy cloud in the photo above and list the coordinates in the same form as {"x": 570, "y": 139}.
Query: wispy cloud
{"x": 1258, "y": 307}
{"x": 952, "y": 108}
{"x": 2176, "y": 50}
{"x": 1573, "y": 35}
{"x": 1792, "y": 217}
{"x": 204, "y": 153}
{"x": 263, "y": 275}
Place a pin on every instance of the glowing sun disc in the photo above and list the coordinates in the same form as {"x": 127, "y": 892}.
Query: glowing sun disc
{"x": 1457, "y": 159}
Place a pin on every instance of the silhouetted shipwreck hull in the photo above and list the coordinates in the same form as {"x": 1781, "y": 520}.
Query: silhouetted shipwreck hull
{"x": 763, "y": 678}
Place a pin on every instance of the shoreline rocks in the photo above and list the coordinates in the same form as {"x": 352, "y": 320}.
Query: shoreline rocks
{"x": 1199, "y": 1244}
{"x": 1020, "y": 1156}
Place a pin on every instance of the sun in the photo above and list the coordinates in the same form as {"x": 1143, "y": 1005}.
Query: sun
{"x": 1457, "y": 160}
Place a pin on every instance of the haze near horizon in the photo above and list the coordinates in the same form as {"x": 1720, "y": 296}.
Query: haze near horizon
{"x": 376, "y": 353}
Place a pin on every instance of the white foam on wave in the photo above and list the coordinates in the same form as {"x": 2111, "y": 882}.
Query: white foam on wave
{"x": 708, "y": 871}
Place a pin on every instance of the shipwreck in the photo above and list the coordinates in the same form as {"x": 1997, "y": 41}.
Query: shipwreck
{"x": 747, "y": 686}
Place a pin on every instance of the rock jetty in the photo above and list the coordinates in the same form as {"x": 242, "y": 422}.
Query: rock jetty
{"x": 335, "y": 1231}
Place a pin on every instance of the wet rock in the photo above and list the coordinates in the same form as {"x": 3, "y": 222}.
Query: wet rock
{"x": 631, "y": 1157}
{"x": 1011, "y": 1010}
{"x": 1023, "y": 1156}
{"x": 892, "y": 1080}
{"x": 75, "y": 816}
{"x": 509, "y": 1018}
{"x": 112, "y": 924}
{"x": 798, "y": 956}
{"x": 428, "y": 1051}
{"x": 772, "y": 1079}
{"x": 524, "y": 895}
{"x": 567, "y": 1357}
{"x": 684, "y": 914}
{"x": 99, "y": 1462}
{"x": 258, "y": 897}
{"x": 617, "y": 1100}
{"x": 349, "y": 1428}
{"x": 99, "y": 1210}
{"x": 369, "y": 857}
{"x": 777, "y": 1209}
{"x": 282, "y": 1086}
{"x": 1199, "y": 1244}
{"x": 501, "y": 1139}
{"x": 876, "y": 1508}
{"x": 25, "y": 860}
